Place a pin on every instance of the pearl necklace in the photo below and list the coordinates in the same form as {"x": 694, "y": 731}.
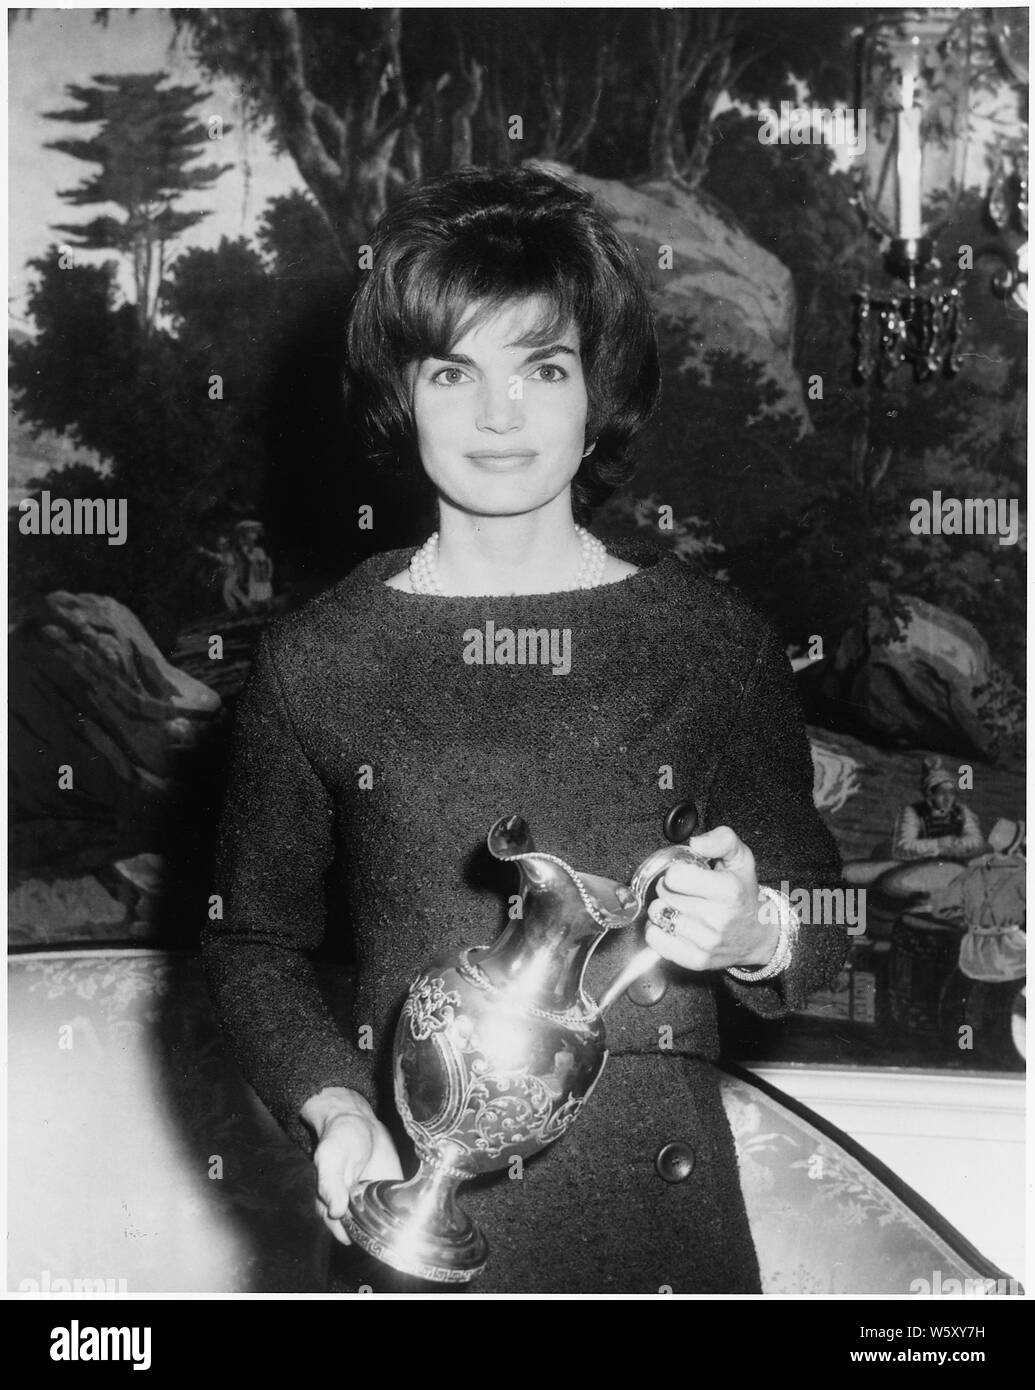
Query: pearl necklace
{"x": 423, "y": 567}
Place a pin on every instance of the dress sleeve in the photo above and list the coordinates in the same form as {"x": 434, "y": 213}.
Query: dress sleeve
{"x": 276, "y": 844}
{"x": 762, "y": 789}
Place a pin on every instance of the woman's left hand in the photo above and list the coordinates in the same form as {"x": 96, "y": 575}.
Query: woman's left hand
{"x": 719, "y": 924}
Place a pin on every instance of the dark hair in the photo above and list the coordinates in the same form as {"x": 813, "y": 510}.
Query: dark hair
{"x": 492, "y": 237}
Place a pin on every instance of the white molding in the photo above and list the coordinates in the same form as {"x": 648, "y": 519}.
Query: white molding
{"x": 895, "y": 1101}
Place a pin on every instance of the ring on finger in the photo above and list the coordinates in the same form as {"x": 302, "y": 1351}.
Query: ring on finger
{"x": 665, "y": 918}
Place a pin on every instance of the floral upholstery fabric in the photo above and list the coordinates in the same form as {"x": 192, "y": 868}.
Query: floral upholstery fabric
{"x": 824, "y": 1223}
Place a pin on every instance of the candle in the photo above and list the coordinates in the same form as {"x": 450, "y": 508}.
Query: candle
{"x": 910, "y": 224}
{"x": 908, "y": 168}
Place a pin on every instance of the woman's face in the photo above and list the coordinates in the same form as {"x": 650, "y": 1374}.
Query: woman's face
{"x": 501, "y": 426}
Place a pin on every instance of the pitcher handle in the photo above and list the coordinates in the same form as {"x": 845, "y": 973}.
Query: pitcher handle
{"x": 680, "y": 824}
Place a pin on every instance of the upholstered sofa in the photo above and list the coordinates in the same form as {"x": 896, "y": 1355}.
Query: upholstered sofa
{"x": 140, "y": 1161}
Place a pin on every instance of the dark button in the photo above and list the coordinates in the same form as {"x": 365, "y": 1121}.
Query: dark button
{"x": 649, "y": 988}
{"x": 675, "y": 1162}
{"x": 681, "y": 822}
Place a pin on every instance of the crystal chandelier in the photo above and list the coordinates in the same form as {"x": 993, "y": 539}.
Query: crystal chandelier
{"x": 913, "y": 79}
{"x": 920, "y": 76}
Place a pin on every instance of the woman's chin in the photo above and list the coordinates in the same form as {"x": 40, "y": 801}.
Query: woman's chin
{"x": 506, "y": 498}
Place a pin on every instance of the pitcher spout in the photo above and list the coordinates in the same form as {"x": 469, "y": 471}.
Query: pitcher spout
{"x": 605, "y": 903}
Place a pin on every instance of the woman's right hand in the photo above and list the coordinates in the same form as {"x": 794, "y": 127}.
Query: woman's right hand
{"x": 352, "y": 1146}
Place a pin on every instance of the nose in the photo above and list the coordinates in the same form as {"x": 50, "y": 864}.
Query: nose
{"x": 500, "y": 405}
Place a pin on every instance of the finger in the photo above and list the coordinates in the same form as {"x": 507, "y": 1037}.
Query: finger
{"x": 691, "y": 927}
{"x": 725, "y": 844}
{"x": 693, "y": 912}
{"x": 384, "y": 1160}
{"x": 719, "y": 885}
{"x": 678, "y": 949}
{"x": 341, "y": 1156}
{"x": 334, "y": 1225}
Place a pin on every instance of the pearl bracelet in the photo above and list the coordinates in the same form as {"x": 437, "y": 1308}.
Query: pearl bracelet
{"x": 781, "y": 957}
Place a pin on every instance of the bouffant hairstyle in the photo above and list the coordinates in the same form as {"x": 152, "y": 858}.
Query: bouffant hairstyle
{"x": 454, "y": 250}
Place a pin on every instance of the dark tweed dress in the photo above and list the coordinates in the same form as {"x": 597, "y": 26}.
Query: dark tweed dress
{"x": 668, "y": 670}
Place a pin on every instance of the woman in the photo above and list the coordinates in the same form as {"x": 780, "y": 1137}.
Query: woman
{"x": 504, "y": 344}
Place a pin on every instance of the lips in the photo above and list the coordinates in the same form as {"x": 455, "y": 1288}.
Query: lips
{"x": 501, "y": 455}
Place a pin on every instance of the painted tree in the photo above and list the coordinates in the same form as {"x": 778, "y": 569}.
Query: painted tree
{"x": 367, "y": 100}
{"x": 145, "y": 146}
{"x": 331, "y": 81}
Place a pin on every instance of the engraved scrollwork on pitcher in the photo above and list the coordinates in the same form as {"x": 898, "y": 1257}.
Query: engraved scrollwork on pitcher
{"x": 508, "y": 1109}
{"x": 430, "y": 1007}
{"x": 557, "y": 1124}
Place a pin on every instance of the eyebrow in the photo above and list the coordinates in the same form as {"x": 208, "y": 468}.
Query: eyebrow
{"x": 540, "y": 354}
{"x": 537, "y": 355}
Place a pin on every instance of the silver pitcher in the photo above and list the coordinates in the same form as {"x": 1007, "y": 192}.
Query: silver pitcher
{"x": 496, "y": 1052}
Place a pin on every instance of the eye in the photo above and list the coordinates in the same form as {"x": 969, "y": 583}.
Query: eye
{"x": 449, "y": 376}
{"x": 555, "y": 372}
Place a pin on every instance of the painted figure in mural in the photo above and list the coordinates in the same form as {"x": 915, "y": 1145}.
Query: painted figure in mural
{"x": 985, "y": 990}
{"x": 939, "y": 826}
{"x": 257, "y": 566}
{"x": 989, "y": 896}
{"x": 229, "y": 573}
